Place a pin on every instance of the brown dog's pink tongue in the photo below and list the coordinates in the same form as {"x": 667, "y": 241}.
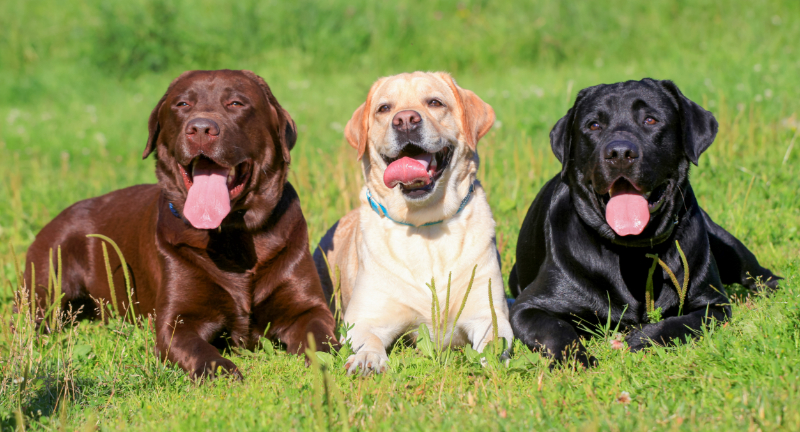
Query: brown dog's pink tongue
{"x": 627, "y": 213}
{"x": 408, "y": 171}
{"x": 208, "y": 201}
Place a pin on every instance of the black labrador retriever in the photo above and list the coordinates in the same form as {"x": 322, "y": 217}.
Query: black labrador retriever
{"x": 587, "y": 246}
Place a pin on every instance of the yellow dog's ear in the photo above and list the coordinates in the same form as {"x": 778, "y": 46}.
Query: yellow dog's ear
{"x": 477, "y": 117}
{"x": 357, "y": 129}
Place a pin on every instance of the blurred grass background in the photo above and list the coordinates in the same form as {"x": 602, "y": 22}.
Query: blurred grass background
{"x": 78, "y": 81}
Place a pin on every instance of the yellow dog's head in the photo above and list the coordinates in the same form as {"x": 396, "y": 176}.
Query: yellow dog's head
{"x": 416, "y": 137}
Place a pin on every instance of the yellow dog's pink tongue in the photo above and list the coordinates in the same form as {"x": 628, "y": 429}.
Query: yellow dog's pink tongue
{"x": 627, "y": 213}
{"x": 208, "y": 201}
{"x": 408, "y": 171}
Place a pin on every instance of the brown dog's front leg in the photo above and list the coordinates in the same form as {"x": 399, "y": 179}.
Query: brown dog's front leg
{"x": 317, "y": 321}
{"x": 180, "y": 342}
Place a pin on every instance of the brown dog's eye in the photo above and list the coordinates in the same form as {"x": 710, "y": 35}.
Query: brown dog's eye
{"x": 594, "y": 126}
{"x": 650, "y": 121}
{"x": 383, "y": 108}
{"x": 435, "y": 103}
{"x": 182, "y": 104}
{"x": 235, "y": 103}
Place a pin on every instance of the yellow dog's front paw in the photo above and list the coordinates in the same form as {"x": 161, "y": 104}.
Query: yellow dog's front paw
{"x": 366, "y": 363}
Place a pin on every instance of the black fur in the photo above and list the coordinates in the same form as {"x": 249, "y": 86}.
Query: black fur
{"x": 575, "y": 268}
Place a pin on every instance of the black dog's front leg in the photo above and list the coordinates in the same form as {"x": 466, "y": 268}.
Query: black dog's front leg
{"x": 549, "y": 335}
{"x": 735, "y": 262}
{"x": 674, "y": 328}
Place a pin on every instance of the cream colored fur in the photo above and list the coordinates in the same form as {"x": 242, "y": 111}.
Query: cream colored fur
{"x": 385, "y": 266}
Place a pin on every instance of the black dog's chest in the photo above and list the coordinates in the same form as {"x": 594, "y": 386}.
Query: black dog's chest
{"x": 634, "y": 268}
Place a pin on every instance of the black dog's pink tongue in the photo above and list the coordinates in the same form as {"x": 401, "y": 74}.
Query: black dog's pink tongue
{"x": 627, "y": 211}
{"x": 208, "y": 201}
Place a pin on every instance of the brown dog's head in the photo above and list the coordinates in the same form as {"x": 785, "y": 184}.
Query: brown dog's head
{"x": 416, "y": 136}
{"x": 222, "y": 142}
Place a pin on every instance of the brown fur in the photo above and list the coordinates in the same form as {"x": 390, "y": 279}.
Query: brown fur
{"x": 253, "y": 275}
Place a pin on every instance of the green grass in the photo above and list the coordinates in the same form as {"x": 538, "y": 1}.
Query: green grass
{"x": 78, "y": 81}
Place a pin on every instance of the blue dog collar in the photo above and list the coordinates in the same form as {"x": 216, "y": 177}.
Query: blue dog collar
{"x": 174, "y": 212}
{"x": 381, "y": 210}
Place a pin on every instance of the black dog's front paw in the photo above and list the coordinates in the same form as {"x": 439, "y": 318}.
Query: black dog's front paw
{"x": 767, "y": 281}
{"x": 637, "y": 340}
{"x": 586, "y": 360}
{"x": 773, "y": 282}
{"x": 574, "y": 355}
{"x": 217, "y": 368}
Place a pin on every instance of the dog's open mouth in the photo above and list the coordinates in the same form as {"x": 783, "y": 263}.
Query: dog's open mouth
{"x": 628, "y": 209}
{"x": 415, "y": 170}
{"x": 211, "y": 187}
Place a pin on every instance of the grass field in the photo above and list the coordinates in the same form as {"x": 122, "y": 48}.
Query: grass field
{"x": 78, "y": 81}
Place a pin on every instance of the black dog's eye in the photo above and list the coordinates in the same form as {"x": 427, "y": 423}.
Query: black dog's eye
{"x": 650, "y": 121}
{"x": 383, "y": 108}
{"x": 435, "y": 103}
{"x": 182, "y": 104}
{"x": 594, "y": 126}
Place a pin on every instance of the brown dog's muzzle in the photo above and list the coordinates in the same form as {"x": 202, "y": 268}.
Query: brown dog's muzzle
{"x": 214, "y": 174}
{"x": 201, "y": 132}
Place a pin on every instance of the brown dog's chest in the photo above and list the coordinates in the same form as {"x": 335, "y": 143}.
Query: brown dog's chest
{"x": 232, "y": 275}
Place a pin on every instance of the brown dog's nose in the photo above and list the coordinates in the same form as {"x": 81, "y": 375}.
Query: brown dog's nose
{"x": 202, "y": 127}
{"x": 621, "y": 153}
{"x": 406, "y": 120}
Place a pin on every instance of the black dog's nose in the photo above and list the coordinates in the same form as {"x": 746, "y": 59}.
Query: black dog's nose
{"x": 621, "y": 153}
{"x": 201, "y": 127}
{"x": 406, "y": 120}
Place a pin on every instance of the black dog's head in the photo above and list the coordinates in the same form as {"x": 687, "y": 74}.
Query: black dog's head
{"x": 625, "y": 150}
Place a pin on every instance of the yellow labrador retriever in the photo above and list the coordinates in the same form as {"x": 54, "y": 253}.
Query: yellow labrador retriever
{"x": 423, "y": 214}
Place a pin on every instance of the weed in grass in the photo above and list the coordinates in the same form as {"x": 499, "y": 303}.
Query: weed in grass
{"x": 680, "y": 289}
{"x": 335, "y": 276}
{"x": 433, "y": 345}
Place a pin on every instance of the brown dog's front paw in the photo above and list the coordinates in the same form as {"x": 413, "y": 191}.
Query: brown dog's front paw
{"x": 218, "y": 367}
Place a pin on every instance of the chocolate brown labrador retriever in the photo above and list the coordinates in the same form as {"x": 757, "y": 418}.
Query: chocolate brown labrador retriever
{"x": 219, "y": 246}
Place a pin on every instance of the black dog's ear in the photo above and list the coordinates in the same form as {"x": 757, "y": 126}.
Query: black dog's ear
{"x": 288, "y": 132}
{"x": 561, "y": 139}
{"x": 699, "y": 126}
{"x": 561, "y": 134}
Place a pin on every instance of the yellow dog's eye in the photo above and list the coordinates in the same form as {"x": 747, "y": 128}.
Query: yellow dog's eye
{"x": 435, "y": 103}
{"x": 650, "y": 121}
{"x": 383, "y": 108}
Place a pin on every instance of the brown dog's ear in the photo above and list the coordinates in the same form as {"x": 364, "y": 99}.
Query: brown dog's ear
{"x": 287, "y": 132}
{"x": 357, "y": 129}
{"x": 153, "y": 125}
{"x": 477, "y": 117}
